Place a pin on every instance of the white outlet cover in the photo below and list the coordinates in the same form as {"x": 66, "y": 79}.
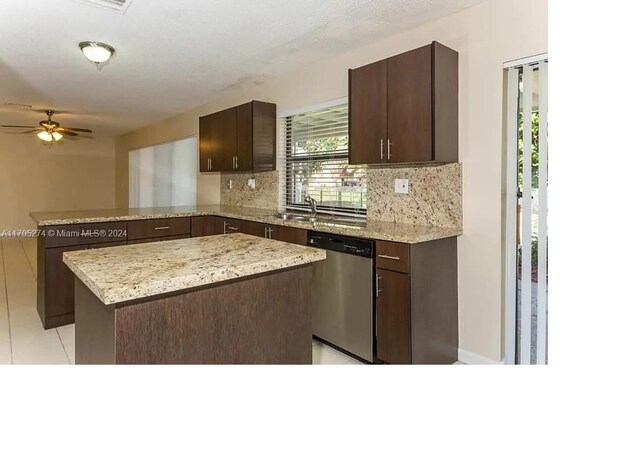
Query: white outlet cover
{"x": 402, "y": 186}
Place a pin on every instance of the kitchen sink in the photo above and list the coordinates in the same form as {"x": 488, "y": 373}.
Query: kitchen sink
{"x": 295, "y": 217}
{"x": 328, "y": 219}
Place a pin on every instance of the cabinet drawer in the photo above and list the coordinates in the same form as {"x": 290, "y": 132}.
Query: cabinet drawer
{"x": 153, "y": 240}
{"x": 163, "y": 227}
{"x": 392, "y": 256}
{"x": 86, "y": 233}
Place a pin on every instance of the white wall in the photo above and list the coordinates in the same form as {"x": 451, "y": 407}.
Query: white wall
{"x": 485, "y": 36}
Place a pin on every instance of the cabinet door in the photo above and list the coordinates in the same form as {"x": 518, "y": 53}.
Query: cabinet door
{"x": 60, "y": 282}
{"x": 368, "y": 114}
{"x": 255, "y": 229}
{"x": 206, "y": 226}
{"x": 409, "y": 108}
{"x": 224, "y": 142}
{"x": 204, "y": 142}
{"x": 393, "y": 317}
{"x": 244, "y": 152}
{"x": 231, "y": 225}
{"x": 289, "y": 235}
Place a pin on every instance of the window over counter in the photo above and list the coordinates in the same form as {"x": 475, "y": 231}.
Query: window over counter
{"x": 163, "y": 175}
{"x": 316, "y": 146}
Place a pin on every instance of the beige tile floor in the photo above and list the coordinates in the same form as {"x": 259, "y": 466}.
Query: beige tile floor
{"x": 22, "y": 338}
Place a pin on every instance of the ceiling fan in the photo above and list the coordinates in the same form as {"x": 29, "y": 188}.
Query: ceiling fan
{"x": 49, "y": 131}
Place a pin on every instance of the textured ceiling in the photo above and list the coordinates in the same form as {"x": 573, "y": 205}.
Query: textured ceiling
{"x": 175, "y": 55}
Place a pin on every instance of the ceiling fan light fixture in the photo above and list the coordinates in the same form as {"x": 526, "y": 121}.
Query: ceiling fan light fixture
{"x": 47, "y": 136}
{"x": 97, "y": 52}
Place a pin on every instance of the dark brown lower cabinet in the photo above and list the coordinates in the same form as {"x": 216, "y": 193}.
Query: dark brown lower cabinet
{"x": 289, "y": 234}
{"x": 56, "y": 283}
{"x": 277, "y": 232}
{"x": 393, "y": 323}
{"x": 255, "y": 229}
{"x": 207, "y": 226}
{"x": 417, "y": 302}
{"x": 56, "y": 301}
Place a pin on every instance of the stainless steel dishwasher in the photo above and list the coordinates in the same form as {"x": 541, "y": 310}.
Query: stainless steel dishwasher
{"x": 342, "y": 293}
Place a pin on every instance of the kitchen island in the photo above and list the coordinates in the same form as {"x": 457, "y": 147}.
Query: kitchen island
{"x": 226, "y": 299}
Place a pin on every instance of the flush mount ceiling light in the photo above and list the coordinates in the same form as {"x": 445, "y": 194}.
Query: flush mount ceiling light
{"x": 97, "y": 52}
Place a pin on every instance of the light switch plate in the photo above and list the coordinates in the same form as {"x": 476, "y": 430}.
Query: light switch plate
{"x": 402, "y": 186}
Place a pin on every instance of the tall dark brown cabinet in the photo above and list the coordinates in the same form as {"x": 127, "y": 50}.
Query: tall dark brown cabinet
{"x": 417, "y": 302}
{"x": 404, "y": 109}
{"x": 240, "y": 139}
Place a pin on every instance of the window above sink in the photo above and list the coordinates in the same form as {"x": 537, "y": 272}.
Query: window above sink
{"x": 316, "y": 146}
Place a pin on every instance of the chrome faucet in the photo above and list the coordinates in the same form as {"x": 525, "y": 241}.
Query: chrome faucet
{"x": 314, "y": 205}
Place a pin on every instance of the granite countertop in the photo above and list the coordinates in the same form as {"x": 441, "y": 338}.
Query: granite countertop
{"x": 124, "y": 273}
{"x": 372, "y": 229}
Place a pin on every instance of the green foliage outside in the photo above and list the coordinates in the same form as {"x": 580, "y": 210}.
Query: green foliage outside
{"x": 534, "y": 149}
{"x": 534, "y": 168}
{"x": 324, "y": 144}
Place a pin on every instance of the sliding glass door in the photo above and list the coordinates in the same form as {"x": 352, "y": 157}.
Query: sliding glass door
{"x": 526, "y": 213}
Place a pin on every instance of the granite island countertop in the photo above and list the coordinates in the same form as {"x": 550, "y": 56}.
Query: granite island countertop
{"x": 372, "y": 229}
{"x": 124, "y": 273}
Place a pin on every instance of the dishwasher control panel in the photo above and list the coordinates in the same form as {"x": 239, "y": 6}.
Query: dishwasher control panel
{"x": 339, "y": 243}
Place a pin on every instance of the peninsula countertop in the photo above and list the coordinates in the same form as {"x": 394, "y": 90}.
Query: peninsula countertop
{"x": 372, "y": 229}
{"x": 125, "y": 273}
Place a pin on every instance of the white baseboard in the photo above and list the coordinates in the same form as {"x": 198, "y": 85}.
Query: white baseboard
{"x": 471, "y": 358}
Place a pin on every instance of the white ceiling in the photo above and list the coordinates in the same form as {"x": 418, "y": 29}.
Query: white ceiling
{"x": 173, "y": 55}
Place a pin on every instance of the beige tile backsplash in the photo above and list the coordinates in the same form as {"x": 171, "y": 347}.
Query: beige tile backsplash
{"x": 435, "y": 193}
{"x": 434, "y": 198}
{"x": 265, "y": 195}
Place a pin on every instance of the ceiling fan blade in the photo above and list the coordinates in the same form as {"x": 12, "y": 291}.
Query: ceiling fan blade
{"x": 66, "y": 132}
{"x": 32, "y": 131}
{"x": 78, "y": 130}
{"x": 20, "y": 126}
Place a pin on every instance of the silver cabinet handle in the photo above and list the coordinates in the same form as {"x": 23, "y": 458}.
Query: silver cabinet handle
{"x": 237, "y": 162}
{"x": 389, "y": 149}
{"x": 229, "y": 227}
{"x": 267, "y": 232}
{"x": 162, "y": 227}
{"x": 393, "y": 258}
{"x": 382, "y": 149}
{"x": 378, "y": 291}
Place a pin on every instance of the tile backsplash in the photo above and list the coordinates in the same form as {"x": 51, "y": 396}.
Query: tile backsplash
{"x": 265, "y": 195}
{"x": 434, "y": 198}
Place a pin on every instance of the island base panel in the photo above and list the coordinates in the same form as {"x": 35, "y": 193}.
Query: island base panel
{"x": 260, "y": 320}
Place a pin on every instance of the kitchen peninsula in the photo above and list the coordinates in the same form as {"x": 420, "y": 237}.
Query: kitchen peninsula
{"x": 228, "y": 299}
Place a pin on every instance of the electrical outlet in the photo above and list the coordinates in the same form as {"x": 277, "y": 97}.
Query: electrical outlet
{"x": 251, "y": 182}
{"x": 402, "y": 186}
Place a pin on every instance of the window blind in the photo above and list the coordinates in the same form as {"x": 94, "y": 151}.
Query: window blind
{"x": 316, "y": 147}
{"x": 163, "y": 175}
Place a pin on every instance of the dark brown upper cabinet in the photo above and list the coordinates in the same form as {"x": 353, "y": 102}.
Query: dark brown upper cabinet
{"x": 239, "y": 139}
{"x": 404, "y": 109}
